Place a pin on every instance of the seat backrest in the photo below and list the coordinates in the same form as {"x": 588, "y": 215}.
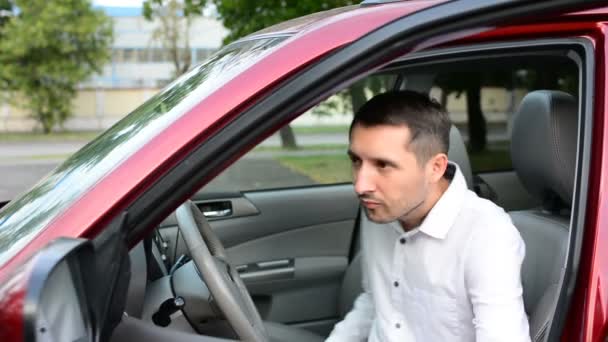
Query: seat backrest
{"x": 351, "y": 283}
{"x": 543, "y": 150}
{"x": 546, "y": 239}
{"x": 459, "y": 155}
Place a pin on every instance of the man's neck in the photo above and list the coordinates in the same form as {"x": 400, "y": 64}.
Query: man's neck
{"x": 415, "y": 218}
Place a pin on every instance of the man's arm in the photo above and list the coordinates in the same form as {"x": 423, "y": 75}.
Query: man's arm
{"x": 357, "y": 323}
{"x": 493, "y": 280}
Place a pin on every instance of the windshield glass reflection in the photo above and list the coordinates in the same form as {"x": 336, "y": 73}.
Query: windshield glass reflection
{"x": 23, "y": 218}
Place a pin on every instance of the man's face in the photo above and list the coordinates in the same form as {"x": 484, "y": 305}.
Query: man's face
{"x": 388, "y": 179}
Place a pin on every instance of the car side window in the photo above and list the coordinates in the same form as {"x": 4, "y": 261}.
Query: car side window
{"x": 310, "y": 151}
{"x": 482, "y": 99}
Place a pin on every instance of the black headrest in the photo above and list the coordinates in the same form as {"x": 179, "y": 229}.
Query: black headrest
{"x": 543, "y": 145}
{"x": 459, "y": 155}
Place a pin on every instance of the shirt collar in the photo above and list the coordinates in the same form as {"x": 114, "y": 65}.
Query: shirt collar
{"x": 443, "y": 214}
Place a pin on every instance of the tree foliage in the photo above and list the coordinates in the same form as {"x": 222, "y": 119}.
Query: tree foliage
{"x": 527, "y": 77}
{"x": 48, "y": 47}
{"x": 243, "y": 17}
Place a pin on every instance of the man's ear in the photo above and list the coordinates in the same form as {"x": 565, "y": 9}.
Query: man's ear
{"x": 437, "y": 166}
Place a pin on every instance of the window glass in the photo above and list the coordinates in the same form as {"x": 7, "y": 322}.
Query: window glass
{"x": 311, "y": 150}
{"x": 201, "y": 54}
{"x": 117, "y": 55}
{"x": 482, "y": 98}
{"x": 142, "y": 55}
{"x": 24, "y": 217}
{"x": 158, "y": 55}
{"x": 128, "y": 55}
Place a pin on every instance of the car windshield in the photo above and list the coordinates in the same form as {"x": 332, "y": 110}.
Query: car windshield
{"x": 23, "y": 218}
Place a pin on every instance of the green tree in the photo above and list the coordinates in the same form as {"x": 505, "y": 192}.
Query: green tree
{"x": 243, "y": 17}
{"x": 174, "y": 19}
{"x": 48, "y": 47}
{"x": 6, "y": 7}
{"x": 469, "y": 83}
{"x": 527, "y": 77}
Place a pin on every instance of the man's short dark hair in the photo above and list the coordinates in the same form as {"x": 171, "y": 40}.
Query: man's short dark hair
{"x": 428, "y": 122}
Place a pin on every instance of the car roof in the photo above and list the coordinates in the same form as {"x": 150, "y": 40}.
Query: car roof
{"x": 315, "y": 20}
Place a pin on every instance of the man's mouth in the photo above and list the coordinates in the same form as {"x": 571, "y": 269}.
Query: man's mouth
{"x": 370, "y": 204}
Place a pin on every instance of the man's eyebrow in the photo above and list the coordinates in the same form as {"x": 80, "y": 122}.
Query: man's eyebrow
{"x": 391, "y": 163}
{"x": 385, "y": 161}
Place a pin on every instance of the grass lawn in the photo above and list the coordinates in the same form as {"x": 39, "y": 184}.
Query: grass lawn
{"x": 491, "y": 160}
{"x": 334, "y": 168}
{"x": 55, "y": 136}
{"x": 343, "y": 129}
{"x": 316, "y": 147}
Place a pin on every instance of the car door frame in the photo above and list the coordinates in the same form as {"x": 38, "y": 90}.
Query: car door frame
{"x": 428, "y": 27}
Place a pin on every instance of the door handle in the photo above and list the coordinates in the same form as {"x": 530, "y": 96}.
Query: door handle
{"x": 217, "y": 213}
{"x": 267, "y": 270}
{"x": 215, "y": 209}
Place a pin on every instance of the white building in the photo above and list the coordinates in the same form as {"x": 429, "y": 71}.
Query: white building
{"x": 139, "y": 61}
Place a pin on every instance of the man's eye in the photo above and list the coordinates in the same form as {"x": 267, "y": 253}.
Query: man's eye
{"x": 381, "y": 165}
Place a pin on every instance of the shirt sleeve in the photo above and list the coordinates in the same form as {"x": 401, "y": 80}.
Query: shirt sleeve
{"x": 357, "y": 324}
{"x": 493, "y": 280}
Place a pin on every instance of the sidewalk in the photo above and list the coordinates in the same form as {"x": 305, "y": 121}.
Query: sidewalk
{"x": 17, "y": 153}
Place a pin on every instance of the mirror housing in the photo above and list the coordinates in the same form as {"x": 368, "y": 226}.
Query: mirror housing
{"x": 56, "y": 306}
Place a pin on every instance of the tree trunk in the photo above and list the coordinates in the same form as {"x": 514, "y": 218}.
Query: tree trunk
{"x": 45, "y": 120}
{"x": 357, "y": 96}
{"x": 46, "y": 127}
{"x": 477, "y": 122}
{"x": 288, "y": 139}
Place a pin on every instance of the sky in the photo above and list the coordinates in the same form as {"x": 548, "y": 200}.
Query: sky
{"x": 208, "y": 11}
{"x": 118, "y": 3}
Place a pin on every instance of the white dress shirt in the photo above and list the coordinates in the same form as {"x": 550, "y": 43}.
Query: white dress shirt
{"x": 454, "y": 278}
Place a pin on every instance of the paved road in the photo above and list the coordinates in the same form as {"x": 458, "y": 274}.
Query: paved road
{"x": 21, "y": 150}
{"x": 16, "y": 178}
{"x": 257, "y": 171}
{"x": 22, "y": 164}
{"x": 37, "y": 149}
{"x": 12, "y": 151}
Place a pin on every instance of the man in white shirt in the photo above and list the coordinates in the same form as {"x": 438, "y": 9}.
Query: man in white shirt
{"x": 439, "y": 263}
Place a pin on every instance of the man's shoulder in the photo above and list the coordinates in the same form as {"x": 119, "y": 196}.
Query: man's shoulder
{"x": 488, "y": 220}
{"x": 484, "y": 209}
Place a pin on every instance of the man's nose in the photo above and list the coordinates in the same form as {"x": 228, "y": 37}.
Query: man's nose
{"x": 364, "y": 182}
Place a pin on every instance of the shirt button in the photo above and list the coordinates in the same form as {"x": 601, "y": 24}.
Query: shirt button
{"x": 396, "y": 284}
{"x": 398, "y": 326}
{"x": 402, "y": 240}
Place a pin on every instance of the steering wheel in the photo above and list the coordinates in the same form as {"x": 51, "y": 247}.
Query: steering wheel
{"x": 219, "y": 274}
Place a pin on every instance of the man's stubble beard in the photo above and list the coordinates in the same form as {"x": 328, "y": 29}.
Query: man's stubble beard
{"x": 391, "y": 219}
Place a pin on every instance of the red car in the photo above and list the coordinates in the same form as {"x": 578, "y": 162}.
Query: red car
{"x": 147, "y": 233}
